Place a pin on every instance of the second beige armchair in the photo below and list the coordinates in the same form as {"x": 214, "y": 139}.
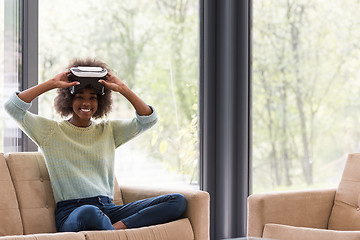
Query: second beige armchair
{"x": 326, "y": 214}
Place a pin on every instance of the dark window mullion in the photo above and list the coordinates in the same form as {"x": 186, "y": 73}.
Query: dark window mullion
{"x": 29, "y": 66}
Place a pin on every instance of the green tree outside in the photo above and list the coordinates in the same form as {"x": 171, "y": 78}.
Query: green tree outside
{"x": 305, "y": 92}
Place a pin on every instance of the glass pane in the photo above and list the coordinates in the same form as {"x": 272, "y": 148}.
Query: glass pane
{"x": 153, "y": 47}
{"x": 10, "y": 49}
{"x": 305, "y": 92}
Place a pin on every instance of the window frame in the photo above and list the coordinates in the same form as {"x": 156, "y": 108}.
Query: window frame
{"x": 29, "y": 66}
{"x": 225, "y": 113}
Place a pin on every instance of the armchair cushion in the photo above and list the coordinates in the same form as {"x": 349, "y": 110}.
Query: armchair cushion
{"x": 47, "y": 236}
{"x": 176, "y": 230}
{"x": 277, "y": 231}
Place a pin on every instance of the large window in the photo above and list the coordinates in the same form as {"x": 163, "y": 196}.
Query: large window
{"x": 153, "y": 47}
{"x": 305, "y": 92}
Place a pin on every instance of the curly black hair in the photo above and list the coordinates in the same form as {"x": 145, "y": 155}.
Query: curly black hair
{"x": 63, "y": 101}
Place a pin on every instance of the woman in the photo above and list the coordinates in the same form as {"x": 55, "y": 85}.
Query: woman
{"x": 79, "y": 153}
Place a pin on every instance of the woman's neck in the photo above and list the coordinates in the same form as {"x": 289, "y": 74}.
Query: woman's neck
{"x": 80, "y": 122}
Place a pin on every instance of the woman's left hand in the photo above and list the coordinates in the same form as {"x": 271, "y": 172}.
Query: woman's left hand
{"x": 113, "y": 83}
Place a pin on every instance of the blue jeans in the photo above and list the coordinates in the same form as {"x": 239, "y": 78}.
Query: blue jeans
{"x": 100, "y": 213}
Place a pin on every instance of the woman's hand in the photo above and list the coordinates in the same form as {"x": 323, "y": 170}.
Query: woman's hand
{"x": 59, "y": 81}
{"x": 115, "y": 84}
{"x": 62, "y": 81}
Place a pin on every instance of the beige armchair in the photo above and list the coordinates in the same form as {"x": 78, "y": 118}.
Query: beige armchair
{"x": 27, "y": 206}
{"x": 326, "y": 214}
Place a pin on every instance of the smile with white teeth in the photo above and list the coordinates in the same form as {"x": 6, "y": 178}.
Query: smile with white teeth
{"x": 85, "y": 109}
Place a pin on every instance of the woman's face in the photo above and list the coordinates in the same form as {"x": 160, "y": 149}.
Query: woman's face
{"x": 84, "y": 105}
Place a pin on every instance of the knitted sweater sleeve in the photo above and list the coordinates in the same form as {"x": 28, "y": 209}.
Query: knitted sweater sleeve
{"x": 125, "y": 130}
{"x": 36, "y": 127}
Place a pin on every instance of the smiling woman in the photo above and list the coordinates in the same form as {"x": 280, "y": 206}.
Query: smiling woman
{"x": 80, "y": 157}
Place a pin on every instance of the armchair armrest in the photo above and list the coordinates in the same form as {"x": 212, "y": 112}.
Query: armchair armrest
{"x": 306, "y": 208}
{"x": 198, "y": 204}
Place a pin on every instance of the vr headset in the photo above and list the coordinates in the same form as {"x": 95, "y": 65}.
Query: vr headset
{"x": 87, "y": 76}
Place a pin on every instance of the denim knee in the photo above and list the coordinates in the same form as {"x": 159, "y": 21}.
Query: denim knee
{"x": 87, "y": 217}
{"x": 181, "y": 204}
{"x": 87, "y": 212}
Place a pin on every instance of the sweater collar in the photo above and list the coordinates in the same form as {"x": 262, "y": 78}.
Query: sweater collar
{"x": 70, "y": 125}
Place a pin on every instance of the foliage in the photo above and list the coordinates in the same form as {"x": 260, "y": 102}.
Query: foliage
{"x": 305, "y": 91}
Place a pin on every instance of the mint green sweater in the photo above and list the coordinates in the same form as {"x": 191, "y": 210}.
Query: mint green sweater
{"x": 80, "y": 161}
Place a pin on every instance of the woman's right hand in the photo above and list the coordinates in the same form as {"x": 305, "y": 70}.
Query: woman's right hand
{"x": 59, "y": 81}
{"x": 62, "y": 81}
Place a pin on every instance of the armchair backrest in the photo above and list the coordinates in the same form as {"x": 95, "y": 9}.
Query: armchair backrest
{"x": 34, "y": 193}
{"x": 345, "y": 214}
{"x": 10, "y": 220}
{"x": 33, "y": 189}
